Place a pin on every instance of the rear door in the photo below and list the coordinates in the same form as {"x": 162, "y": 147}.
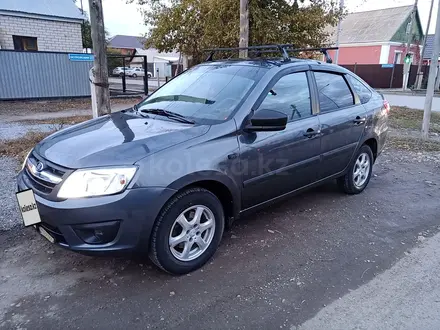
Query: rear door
{"x": 342, "y": 118}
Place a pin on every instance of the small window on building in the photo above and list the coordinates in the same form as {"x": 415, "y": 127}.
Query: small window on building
{"x": 25, "y": 43}
{"x": 397, "y": 57}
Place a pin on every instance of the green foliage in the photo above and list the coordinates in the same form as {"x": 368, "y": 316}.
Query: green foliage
{"x": 193, "y": 25}
{"x": 86, "y": 33}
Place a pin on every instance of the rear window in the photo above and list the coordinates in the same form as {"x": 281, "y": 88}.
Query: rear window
{"x": 360, "y": 89}
{"x": 333, "y": 92}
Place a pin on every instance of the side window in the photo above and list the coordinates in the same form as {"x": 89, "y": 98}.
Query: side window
{"x": 290, "y": 95}
{"x": 333, "y": 91}
{"x": 361, "y": 90}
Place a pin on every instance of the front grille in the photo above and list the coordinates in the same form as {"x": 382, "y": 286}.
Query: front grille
{"x": 38, "y": 183}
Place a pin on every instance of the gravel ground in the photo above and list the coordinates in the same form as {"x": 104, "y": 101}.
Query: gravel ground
{"x": 15, "y": 130}
{"x": 9, "y": 216}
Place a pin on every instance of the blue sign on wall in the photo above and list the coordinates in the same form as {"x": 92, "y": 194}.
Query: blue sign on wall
{"x": 387, "y": 66}
{"x": 81, "y": 57}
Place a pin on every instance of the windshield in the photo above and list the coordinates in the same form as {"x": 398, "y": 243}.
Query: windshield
{"x": 210, "y": 92}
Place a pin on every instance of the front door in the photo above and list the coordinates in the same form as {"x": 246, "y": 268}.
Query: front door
{"x": 275, "y": 163}
{"x": 342, "y": 120}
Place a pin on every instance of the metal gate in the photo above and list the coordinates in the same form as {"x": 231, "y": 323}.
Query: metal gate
{"x": 123, "y": 77}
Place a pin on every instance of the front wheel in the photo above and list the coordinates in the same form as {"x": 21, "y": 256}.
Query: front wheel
{"x": 134, "y": 75}
{"x": 187, "y": 231}
{"x": 359, "y": 172}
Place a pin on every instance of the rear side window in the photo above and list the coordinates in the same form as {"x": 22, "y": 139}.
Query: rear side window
{"x": 290, "y": 95}
{"x": 333, "y": 91}
{"x": 361, "y": 90}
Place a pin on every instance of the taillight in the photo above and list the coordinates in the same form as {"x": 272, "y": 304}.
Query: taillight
{"x": 386, "y": 105}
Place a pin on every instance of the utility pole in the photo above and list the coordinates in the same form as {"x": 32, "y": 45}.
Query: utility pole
{"x": 407, "y": 66}
{"x": 431, "y": 79}
{"x": 101, "y": 104}
{"x": 338, "y": 33}
{"x": 244, "y": 27}
{"x": 419, "y": 67}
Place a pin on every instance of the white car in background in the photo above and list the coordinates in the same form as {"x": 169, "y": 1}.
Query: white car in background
{"x": 137, "y": 72}
{"x": 119, "y": 71}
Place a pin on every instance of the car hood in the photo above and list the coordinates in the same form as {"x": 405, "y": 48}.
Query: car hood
{"x": 116, "y": 139}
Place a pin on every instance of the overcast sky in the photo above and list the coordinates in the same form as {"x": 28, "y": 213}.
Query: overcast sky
{"x": 121, "y": 18}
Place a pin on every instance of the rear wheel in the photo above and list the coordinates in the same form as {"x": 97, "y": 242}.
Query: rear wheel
{"x": 188, "y": 231}
{"x": 359, "y": 172}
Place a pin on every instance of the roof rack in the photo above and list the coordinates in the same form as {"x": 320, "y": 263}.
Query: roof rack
{"x": 284, "y": 49}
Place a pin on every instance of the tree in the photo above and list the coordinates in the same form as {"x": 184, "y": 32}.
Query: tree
{"x": 86, "y": 33}
{"x": 190, "y": 26}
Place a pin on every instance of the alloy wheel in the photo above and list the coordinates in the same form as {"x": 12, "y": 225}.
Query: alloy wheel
{"x": 192, "y": 233}
{"x": 361, "y": 170}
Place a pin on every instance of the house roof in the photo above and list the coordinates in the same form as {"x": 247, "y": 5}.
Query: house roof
{"x": 372, "y": 26}
{"x": 123, "y": 41}
{"x": 427, "y": 52}
{"x": 50, "y": 8}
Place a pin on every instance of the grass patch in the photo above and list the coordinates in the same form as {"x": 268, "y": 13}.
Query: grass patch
{"x": 406, "y": 118}
{"x": 18, "y": 108}
{"x": 18, "y": 148}
{"x": 58, "y": 121}
{"x": 412, "y": 143}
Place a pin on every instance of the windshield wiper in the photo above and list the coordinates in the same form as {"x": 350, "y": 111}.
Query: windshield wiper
{"x": 181, "y": 98}
{"x": 169, "y": 114}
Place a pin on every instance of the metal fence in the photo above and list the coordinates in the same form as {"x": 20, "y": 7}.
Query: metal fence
{"x": 28, "y": 75}
{"x": 128, "y": 82}
{"x": 387, "y": 76}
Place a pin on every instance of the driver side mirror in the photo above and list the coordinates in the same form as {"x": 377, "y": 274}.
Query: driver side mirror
{"x": 266, "y": 120}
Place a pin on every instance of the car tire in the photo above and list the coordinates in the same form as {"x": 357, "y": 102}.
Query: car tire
{"x": 134, "y": 75}
{"x": 359, "y": 172}
{"x": 149, "y": 75}
{"x": 190, "y": 254}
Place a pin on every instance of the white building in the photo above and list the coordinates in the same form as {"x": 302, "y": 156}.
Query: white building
{"x": 35, "y": 25}
{"x": 163, "y": 63}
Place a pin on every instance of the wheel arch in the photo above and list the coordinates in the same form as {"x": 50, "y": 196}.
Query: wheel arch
{"x": 372, "y": 143}
{"x": 219, "y": 184}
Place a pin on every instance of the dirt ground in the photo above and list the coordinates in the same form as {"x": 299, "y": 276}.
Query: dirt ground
{"x": 274, "y": 269}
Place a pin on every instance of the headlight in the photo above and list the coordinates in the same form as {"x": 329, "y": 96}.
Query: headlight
{"x": 25, "y": 159}
{"x": 96, "y": 182}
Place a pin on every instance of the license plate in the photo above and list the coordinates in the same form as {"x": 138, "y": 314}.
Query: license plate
{"x": 46, "y": 234}
{"x": 28, "y": 207}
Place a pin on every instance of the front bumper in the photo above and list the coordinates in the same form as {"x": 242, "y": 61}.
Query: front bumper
{"x": 128, "y": 217}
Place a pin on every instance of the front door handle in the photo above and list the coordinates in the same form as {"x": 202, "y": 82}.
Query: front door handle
{"x": 359, "y": 120}
{"x": 311, "y": 133}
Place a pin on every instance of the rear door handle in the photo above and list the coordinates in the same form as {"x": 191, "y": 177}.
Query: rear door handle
{"x": 359, "y": 120}
{"x": 311, "y": 133}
